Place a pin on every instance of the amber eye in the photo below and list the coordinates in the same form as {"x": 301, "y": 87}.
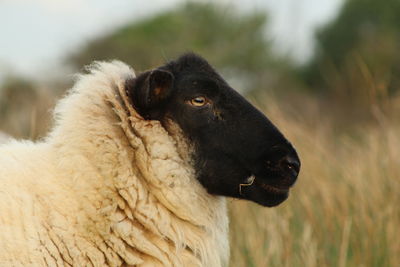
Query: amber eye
{"x": 198, "y": 101}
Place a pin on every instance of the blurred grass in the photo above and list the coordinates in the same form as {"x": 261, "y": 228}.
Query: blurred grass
{"x": 344, "y": 210}
{"x": 25, "y": 108}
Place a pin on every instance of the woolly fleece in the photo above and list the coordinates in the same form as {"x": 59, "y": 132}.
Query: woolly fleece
{"x": 106, "y": 188}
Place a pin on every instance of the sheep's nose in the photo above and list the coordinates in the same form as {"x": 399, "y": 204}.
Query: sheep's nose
{"x": 290, "y": 164}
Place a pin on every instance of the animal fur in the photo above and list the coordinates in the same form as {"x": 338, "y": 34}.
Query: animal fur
{"x": 106, "y": 188}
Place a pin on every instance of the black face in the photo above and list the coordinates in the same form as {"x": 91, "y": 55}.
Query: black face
{"x": 238, "y": 152}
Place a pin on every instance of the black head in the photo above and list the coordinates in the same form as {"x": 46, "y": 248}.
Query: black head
{"x": 237, "y": 151}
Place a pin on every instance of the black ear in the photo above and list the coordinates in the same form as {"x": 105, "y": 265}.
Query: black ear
{"x": 149, "y": 92}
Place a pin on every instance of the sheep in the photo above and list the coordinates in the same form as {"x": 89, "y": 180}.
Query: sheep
{"x": 136, "y": 171}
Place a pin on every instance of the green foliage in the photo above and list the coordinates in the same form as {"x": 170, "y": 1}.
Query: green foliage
{"x": 228, "y": 39}
{"x": 359, "y": 21}
{"x": 233, "y": 43}
{"x": 357, "y": 54}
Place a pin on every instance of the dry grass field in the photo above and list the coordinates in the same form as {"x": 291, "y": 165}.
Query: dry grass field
{"x": 344, "y": 209}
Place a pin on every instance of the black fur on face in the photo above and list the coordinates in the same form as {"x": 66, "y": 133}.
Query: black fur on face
{"x": 238, "y": 152}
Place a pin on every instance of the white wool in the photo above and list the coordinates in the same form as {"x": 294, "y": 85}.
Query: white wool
{"x": 106, "y": 188}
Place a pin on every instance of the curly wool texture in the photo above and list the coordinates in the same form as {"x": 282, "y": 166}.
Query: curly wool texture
{"x": 106, "y": 188}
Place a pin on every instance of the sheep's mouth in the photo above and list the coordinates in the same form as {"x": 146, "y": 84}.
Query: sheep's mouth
{"x": 260, "y": 191}
{"x": 271, "y": 189}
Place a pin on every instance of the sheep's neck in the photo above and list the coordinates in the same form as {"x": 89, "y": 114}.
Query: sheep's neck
{"x": 132, "y": 187}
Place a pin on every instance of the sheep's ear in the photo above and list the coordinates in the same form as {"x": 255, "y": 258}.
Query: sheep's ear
{"x": 148, "y": 92}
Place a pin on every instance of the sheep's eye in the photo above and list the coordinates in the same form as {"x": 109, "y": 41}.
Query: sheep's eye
{"x": 198, "y": 101}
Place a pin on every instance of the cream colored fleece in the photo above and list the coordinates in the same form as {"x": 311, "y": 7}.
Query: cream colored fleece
{"x": 106, "y": 188}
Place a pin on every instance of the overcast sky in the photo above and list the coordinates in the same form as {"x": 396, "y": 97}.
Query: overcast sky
{"x": 36, "y": 34}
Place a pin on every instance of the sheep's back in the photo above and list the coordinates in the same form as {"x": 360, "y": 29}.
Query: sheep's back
{"x": 32, "y": 205}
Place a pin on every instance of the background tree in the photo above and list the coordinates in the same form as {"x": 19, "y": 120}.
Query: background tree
{"x": 234, "y": 43}
{"x": 357, "y": 55}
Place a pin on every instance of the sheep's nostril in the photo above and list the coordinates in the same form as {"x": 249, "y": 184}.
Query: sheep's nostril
{"x": 291, "y": 164}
